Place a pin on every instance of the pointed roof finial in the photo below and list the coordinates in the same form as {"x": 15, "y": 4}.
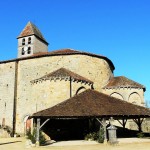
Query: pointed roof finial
{"x": 31, "y": 29}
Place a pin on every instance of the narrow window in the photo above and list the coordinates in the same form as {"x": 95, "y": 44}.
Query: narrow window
{"x": 23, "y": 41}
{"x": 22, "y": 51}
{"x": 29, "y": 50}
{"x": 29, "y": 40}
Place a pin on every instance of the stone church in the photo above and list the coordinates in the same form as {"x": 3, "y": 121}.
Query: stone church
{"x": 39, "y": 79}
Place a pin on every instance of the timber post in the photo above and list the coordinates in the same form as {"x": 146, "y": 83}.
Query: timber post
{"x": 38, "y": 132}
{"x": 105, "y": 131}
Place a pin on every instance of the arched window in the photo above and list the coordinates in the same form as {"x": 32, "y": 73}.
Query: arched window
{"x": 117, "y": 95}
{"x": 81, "y": 89}
{"x": 135, "y": 98}
{"x": 23, "y": 41}
{"x": 23, "y": 52}
{"x": 29, "y": 50}
{"x": 29, "y": 40}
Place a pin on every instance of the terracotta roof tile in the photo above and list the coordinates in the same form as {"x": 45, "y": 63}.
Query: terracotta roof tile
{"x": 31, "y": 29}
{"x": 91, "y": 103}
{"x": 65, "y": 74}
{"x": 63, "y": 52}
{"x": 68, "y": 51}
{"x": 55, "y": 52}
{"x": 121, "y": 81}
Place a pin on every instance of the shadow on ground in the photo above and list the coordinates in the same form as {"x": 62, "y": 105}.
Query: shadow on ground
{"x": 127, "y": 133}
{"x": 10, "y": 142}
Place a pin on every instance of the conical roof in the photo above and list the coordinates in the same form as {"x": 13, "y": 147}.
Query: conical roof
{"x": 31, "y": 29}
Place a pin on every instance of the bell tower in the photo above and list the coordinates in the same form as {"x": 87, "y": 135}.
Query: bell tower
{"x": 31, "y": 41}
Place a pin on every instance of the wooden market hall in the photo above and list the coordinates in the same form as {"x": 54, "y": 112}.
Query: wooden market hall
{"x": 85, "y": 112}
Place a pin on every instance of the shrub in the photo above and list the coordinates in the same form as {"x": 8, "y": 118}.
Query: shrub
{"x": 101, "y": 135}
{"x": 32, "y": 136}
{"x": 140, "y": 135}
{"x": 92, "y": 136}
{"x": 96, "y": 136}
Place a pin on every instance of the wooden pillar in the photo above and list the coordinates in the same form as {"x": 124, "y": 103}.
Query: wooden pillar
{"x": 139, "y": 123}
{"x": 38, "y": 132}
{"x": 105, "y": 131}
{"x": 123, "y": 123}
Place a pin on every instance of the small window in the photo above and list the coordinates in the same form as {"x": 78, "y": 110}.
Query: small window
{"x": 23, "y": 52}
{"x": 23, "y": 41}
{"x": 29, "y": 50}
{"x": 29, "y": 40}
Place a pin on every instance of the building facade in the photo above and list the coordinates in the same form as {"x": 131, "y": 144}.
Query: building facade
{"x": 39, "y": 79}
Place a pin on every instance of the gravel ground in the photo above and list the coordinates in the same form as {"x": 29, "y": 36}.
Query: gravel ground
{"x": 124, "y": 144}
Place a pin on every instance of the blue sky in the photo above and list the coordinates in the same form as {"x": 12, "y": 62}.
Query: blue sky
{"x": 117, "y": 29}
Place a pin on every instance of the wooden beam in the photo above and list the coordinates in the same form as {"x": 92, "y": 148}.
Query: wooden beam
{"x": 103, "y": 123}
{"x": 38, "y": 132}
{"x": 123, "y": 123}
{"x": 44, "y": 123}
{"x": 105, "y": 130}
{"x": 139, "y": 123}
{"x": 99, "y": 121}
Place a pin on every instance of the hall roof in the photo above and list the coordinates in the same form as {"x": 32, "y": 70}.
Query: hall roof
{"x": 31, "y": 29}
{"x": 63, "y": 73}
{"x": 91, "y": 103}
{"x": 123, "y": 82}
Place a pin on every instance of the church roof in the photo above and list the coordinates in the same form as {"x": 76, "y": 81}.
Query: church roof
{"x": 65, "y": 74}
{"x": 66, "y": 51}
{"x": 91, "y": 103}
{"x": 31, "y": 29}
{"x": 123, "y": 82}
{"x": 61, "y": 51}
{"x": 69, "y": 51}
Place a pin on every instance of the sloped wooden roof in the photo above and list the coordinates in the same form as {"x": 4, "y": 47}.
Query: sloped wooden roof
{"x": 121, "y": 81}
{"x": 91, "y": 103}
{"x": 31, "y": 29}
{"x": 65, "y": 74}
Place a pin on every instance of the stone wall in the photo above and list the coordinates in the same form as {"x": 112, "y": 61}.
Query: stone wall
{"x": 133, "y": 95}
{"x": 145, "y": 125}
{"x": 39, "y": 46}
{"x": 32, "y": 98}
{"x": 7, "y": 80}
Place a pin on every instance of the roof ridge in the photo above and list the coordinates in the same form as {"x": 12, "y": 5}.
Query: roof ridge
{"x": 92, "y": 103}
{"x": 31, "y": 26}
{"x": 59, "y": 74}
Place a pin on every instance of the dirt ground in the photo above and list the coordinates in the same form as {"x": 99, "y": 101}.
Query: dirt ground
{"x": 21, "y": 144}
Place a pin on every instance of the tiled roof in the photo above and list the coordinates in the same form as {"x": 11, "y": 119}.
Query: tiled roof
{"x": 65, "y": 74}
{"x": 91, "y": 103}
{"x": 62, "y": 52}
{"x": 31, "y": 29}
{"x": 121, "y": 81}
{"x": 57, "y": 52}
{"x": 68, "y": 51}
